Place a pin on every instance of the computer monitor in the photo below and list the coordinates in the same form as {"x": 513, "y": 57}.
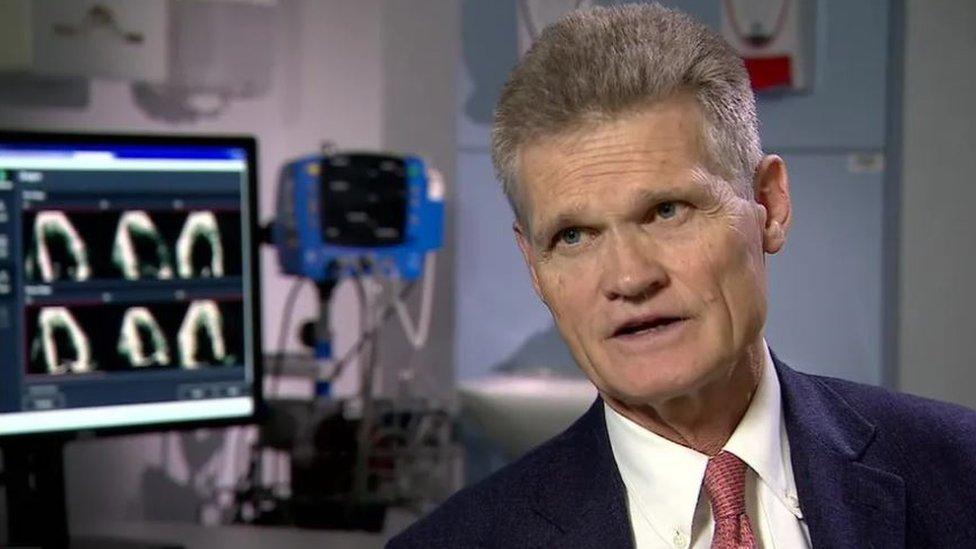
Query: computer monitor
{"x": 128, "y": 286}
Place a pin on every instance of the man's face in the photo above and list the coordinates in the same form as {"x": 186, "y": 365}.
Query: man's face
{"x": 651, "y": 264}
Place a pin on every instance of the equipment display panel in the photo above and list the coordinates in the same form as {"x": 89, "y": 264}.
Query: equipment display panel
{"x": 127, "y": 282}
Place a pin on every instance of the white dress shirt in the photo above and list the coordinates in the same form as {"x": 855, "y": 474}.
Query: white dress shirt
{"x": 667, "y": 506}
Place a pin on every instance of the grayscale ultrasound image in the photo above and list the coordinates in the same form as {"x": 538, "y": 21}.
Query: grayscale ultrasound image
{"x": 125, "y": 337}
{"x": 131, "y": 245}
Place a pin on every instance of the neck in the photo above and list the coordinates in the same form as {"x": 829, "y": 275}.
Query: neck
{"x": 705, "y": 418}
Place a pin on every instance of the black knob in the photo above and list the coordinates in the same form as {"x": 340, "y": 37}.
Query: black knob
{"x": 307, "y": 334}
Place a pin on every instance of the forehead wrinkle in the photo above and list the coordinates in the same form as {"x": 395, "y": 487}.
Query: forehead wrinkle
{"x": 620, "y": 163}
{"x": 569, "y": 202}
{"x": 568, "y": 162}
{"x": 597, "y": 145}
{"x": 574, "y": 151}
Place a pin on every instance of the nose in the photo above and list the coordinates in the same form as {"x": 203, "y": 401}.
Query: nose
{"x": 631, "y": 269}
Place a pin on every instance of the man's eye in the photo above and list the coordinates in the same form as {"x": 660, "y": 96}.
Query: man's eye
{"x": 570, "y": 236}
{"x": 666, "y": 210}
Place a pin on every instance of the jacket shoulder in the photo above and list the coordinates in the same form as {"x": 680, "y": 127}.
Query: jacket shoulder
{"x": 912, "y": 417}
{"x": 477, "y": 515}
{"x": 931, "y": 447}
{"x": 930, "y": 444}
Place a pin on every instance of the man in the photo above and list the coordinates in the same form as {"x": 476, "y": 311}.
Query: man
{"x": 627, "y": 144}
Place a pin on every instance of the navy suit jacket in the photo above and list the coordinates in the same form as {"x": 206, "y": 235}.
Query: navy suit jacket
{"x": 873, "y": 468}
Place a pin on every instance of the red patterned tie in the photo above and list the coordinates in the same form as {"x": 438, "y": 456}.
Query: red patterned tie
{"x": 725, "y": 478}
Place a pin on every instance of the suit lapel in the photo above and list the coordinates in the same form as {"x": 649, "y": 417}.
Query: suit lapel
{"x": 584, "y": 496}
{"x": 845, "y": 503}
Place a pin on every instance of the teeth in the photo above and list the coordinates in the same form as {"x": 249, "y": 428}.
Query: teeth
{"x": 647, "y": 326}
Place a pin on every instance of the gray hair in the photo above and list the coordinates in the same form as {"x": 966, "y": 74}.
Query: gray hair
{"x": 598, "y": 64}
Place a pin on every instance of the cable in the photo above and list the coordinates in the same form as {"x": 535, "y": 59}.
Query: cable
{"x": 364, "y": 323}
{"x": 283, "y": 328}
{"x": 357, "y": 347}
{"x": 361, "y": 473}
{"x": 417, "y": 335}
{"x": 369, "y": 366}
{"x": 237, "y": 445}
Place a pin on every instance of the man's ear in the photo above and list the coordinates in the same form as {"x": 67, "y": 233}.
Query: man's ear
{"x": 525, "y": 246}
{"x": 771, "y": 187}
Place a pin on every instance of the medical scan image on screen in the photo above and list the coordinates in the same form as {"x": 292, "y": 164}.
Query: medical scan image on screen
{"x": 131, "y": 245}
{"x": 126, "y": 292}
{"x": 83, "y": 339}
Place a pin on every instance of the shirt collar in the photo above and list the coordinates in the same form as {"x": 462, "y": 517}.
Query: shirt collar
{"x": 760, "y": 438}
{"x": 651, "y": 465}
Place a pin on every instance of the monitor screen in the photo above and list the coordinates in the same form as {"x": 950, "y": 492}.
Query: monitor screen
{"x": 127, "y": 282}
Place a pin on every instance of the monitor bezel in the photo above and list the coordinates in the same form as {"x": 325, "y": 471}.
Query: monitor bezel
{"x": 249, "y": 144}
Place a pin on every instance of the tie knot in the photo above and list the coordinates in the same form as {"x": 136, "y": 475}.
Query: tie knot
{"x": 725, "y": 477}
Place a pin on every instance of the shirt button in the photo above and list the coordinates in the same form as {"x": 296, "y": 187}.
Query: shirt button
{"x": 680, "y": 540}
{"x": 794, "y": 504}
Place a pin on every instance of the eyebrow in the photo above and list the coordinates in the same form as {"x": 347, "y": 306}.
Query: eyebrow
{"x": 643, "y": 198}
{"x": 545, "y": 230}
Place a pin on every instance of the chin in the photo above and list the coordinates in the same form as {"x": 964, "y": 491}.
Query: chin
{"x": 653, "y": 381}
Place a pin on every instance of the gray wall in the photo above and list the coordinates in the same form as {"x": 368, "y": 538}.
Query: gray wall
{"x": 938, "y": 231}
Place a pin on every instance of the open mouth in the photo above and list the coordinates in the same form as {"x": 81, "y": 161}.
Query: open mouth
{"x": 647, "y": 326}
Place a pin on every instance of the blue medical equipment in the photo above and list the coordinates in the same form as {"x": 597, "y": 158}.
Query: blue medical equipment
{"x": 343, "y": 213}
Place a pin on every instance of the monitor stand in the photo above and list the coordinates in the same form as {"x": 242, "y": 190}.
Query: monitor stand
{"x": 37, "y": 514}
